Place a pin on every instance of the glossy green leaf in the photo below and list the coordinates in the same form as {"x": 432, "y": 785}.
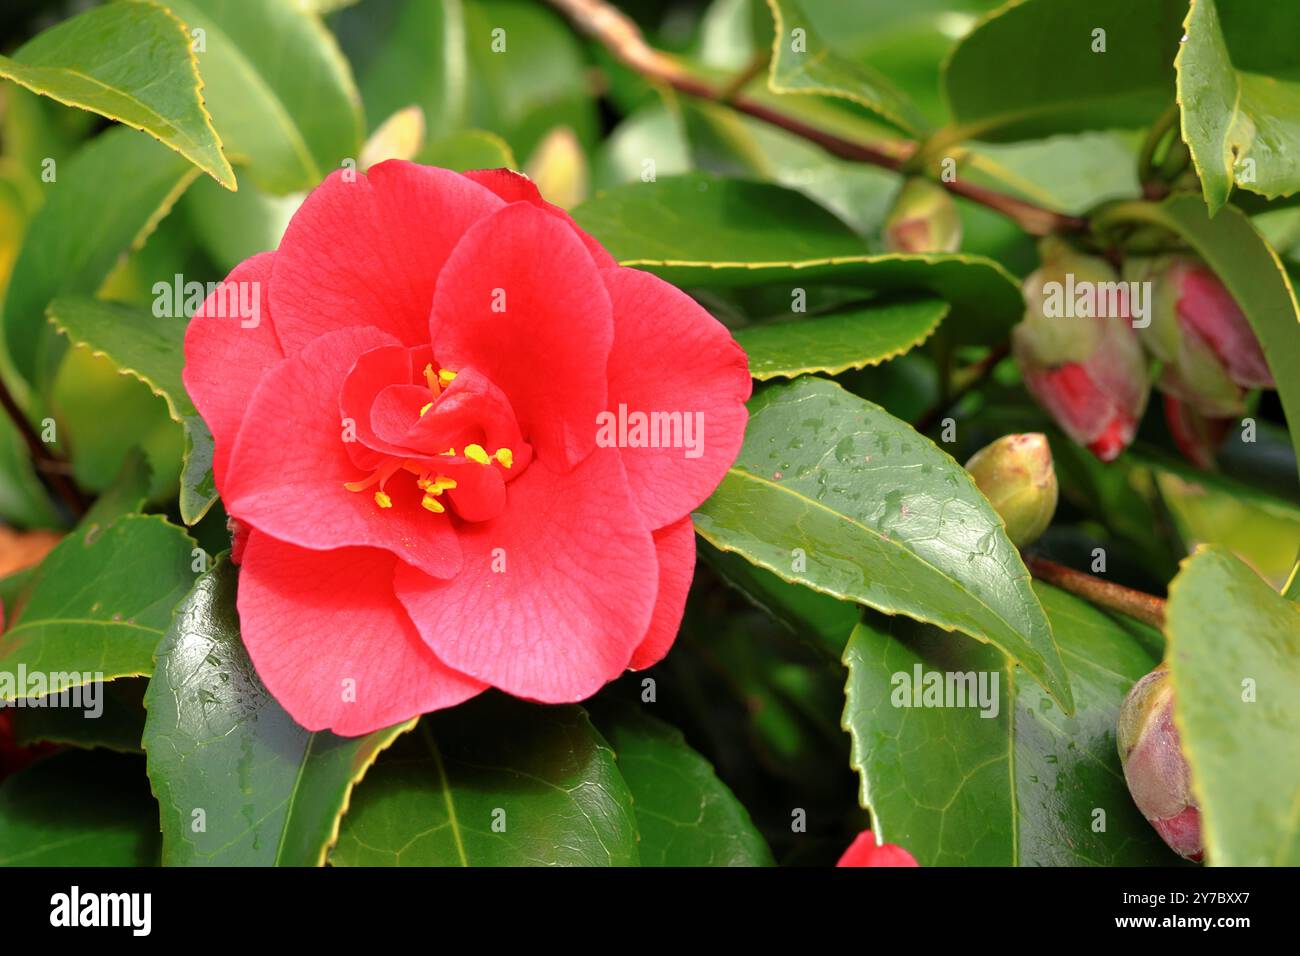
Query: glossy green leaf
{"x": 151, "y": 349}
{"x": 803, "y": 62}
{"x": 102, "y": 602}
{"x": 1234, "y": 659}
{"x": 1029, "y": 70}
{"x": 468, "y": 149}
{"x": 686, "y": 816}
{"x": 281, "y": 94}
{"x": 424, "y": 62}
{"x": 1232, "y": 246}
{"x": 852, "y": 338}
{"x": 129, "y": 61}
{"x": 701, "y": 218}
{"x": 61, "y": 255}
{"x": 1239, "y": 90}
{"x": 233, "y": 226}
{"x": 835, "y": 493}
{"x": 112, "y": 823}
{"x": 493, "y": 782}
{"x": 221, "y": 749}
{"x": 1026, "y": 785}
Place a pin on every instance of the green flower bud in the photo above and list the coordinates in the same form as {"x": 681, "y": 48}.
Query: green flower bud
{"x": 924, "y": 219}
{"x": 1015, "y": 473}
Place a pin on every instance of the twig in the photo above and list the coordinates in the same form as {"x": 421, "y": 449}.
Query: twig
{"x": 47, "y": 463}
{"x": 620, "y": 35}
{"x": 1114, "y": 597}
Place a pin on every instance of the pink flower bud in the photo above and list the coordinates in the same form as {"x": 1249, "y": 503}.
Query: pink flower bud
{"x": 1197, "y": 436}
{"x": 924, "y": 219}
{"x": 1154, "y": 766}
{"x": 1017, "y": 476}
{"x": 1208, "y": 348}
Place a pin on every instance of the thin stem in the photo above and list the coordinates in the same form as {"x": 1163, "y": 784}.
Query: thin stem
{"x": 1114, "y": 597}
{"x": 1155, "y": 136}
{"x": 53, "y": 468}
{"x": 620, "y": 35}
{"x": 973, "y": 377}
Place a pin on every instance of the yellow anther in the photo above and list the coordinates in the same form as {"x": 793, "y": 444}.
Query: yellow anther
{"x": 432, "y": 504}
{"x": 383, "y": 500}
{"x": 424, "y": 484}
{"x": 442, "y": 483}
{"x": 445, "y": 377}
{"x": 425, "y": 409}
{"x": 431, "y": 378}
{"x": 449, "y": 453}
{"x": 476, "y": 453}
{"x": 505, "y": 456}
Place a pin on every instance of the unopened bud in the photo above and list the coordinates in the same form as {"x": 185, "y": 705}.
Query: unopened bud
{"x": 1154, "y": 766}
{"x": 1087, "y": 371}
{"x": 1197, "y": 436}
{"x": 1197, "y": 330}
{"x": 924, "y": 219}
{"x": 1016, "y": 474}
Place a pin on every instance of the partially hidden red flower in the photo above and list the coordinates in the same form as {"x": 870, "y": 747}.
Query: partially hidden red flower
{"x": 411, "y": 443}
{"x": 865, "y": 851}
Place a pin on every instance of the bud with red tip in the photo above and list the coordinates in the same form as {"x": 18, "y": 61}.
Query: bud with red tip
{"x": 865, "y": 851}
{"x": 924, "y": 219}
{"x": 1197, "y": 436}
{"x": 1088, "y": 372}
{"x": 1154, "y": 766}
{"x": 1016, "y": 474}
{"x": 1197, "y": 330}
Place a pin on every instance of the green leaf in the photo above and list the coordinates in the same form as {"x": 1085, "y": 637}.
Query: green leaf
{"x": 118, "y": 726}
{"x": 151, "y": 349}
{"x": 102, "y": 602}
{"x": 271, "y": 793}
{"x": 493, "y": 782}
{"x": 985, "y": 299}
{"x": 44, "y": 823}
{"x": 1234, "y": 659}
{"x": 1232, "y": 246}
{"x": 805, "y": 63}
{"x": 233, "y": 226}
{"x": 1239, "y": 90}
{"x": 701, "y": 218}
{"x": 61, "y": 255}
{"x": 1019, "y": 787}
{"x": 833, "y": 492}
{"x": 468, "y": 149}
{"x": 853, "y": 338}
{"x": 129, "y": 61}
{"x": 281, "y": 94}
{"x": 1029, "y": 70}
{"x": 424, "y": 62}
{"x": 686, "y": 815}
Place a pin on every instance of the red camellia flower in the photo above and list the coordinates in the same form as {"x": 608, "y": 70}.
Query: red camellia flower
{"x": 865, "y": 851}
{"x": 463, "y": 445}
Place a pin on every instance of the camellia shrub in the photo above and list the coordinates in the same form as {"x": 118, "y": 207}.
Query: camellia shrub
{"x": 728, "y": 432}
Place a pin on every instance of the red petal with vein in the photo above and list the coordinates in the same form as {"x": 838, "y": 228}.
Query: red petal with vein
{"x": 670, "y": 355}
{"x": 224, "y": 361}
{"x": 290, "y": 464}
{"x": 675, "y": 546}
{"x": 573, "y": 600}
{"x": 547, "y": 345}
{"x": 313, "y": 621}
{"x": 368, "y": 252}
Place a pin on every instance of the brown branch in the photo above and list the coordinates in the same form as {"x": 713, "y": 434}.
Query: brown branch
{"x": 1114, "y": 597}
{"x": 614, "y": 30}
{"x": 53, "y": 468}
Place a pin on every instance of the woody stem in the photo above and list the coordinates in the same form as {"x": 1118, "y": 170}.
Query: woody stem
{"x": 1146, "y": 608}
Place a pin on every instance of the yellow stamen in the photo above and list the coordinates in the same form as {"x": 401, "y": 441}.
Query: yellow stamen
{"x": 445, "y": 377}
{"x": 476, "y": 453}
{"x": 450, "y": 452}
{"x": 441, "y": 483}
{"x": 505, "y": 456}
{"x": 425, "y": 409}
{"x": 432, "y": 379}
{"x": 383, "y": 500}
{"x": 432, "y": 504}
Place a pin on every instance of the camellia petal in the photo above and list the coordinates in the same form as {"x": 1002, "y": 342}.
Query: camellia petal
{"x": 521, "y": 302}
{"x": 554, "y": 596}
{"x": 678, "y": 381}
{"x": 675, "y": 547}
{"x": 367, "y": 249}
{"x": 331, "y": 641}
{"x": 290, "y": 465}
{"x": 227, "y": 353}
